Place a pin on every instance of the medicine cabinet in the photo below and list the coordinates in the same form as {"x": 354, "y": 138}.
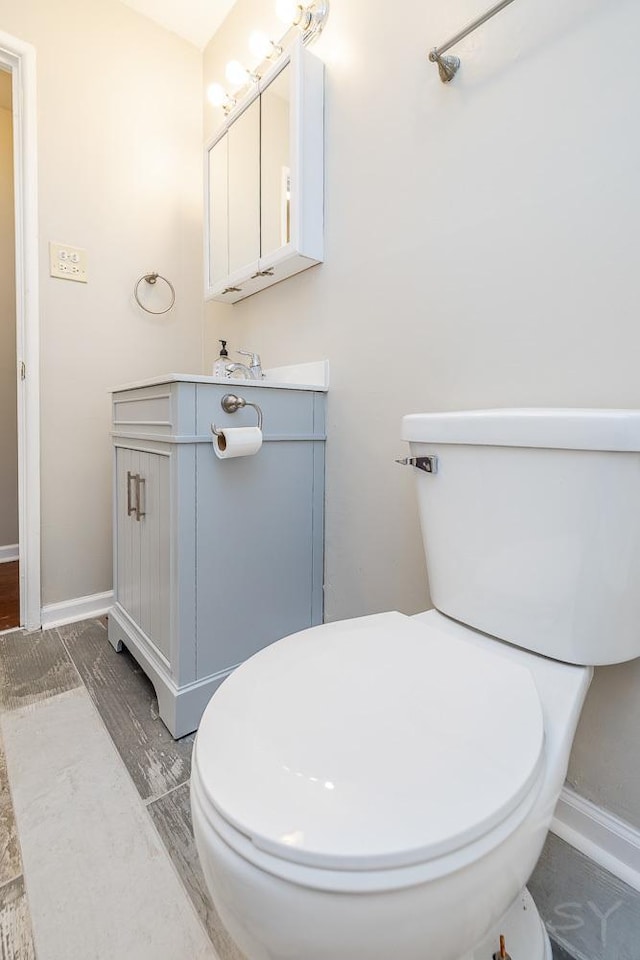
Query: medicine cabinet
{"x": 264, "y": 181}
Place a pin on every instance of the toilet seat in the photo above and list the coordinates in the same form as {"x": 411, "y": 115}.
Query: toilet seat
{"x": 369, "y": 745}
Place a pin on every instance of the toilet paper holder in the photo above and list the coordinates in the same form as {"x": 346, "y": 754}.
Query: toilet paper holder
{"x": 231, "y": 403}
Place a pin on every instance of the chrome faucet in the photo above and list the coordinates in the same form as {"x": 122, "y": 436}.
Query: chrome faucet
{"x": 251, "y": 371}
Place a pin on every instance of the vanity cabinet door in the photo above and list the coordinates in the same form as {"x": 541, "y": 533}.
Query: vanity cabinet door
{"x": 155, "y": 550}
{"x": 143, "y": 546}
{"x": 127, "y": 533}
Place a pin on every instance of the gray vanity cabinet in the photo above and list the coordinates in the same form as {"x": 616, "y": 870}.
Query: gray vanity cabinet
{"x": 213, "y": 559}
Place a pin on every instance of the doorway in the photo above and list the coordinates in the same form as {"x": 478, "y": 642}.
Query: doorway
{"x": 19, "y": 360}
{"x": 9, "y": 549}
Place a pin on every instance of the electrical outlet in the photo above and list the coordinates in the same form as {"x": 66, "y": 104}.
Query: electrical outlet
{"x": 67, "y": 263}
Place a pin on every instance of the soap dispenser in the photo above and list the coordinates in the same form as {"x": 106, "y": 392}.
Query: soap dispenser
{"x": 219, "y": 367}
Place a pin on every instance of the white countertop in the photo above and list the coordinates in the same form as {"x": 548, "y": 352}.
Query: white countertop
{"x": 313, "y": 376}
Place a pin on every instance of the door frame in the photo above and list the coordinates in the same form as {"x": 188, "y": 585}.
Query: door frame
{"x": 20, "y": 58}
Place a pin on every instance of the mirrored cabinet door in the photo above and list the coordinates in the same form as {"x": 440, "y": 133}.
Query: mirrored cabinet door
{"x": 275, "y": 164}
{"x": 244, "y": 188}
{"x": 218, "y": 211}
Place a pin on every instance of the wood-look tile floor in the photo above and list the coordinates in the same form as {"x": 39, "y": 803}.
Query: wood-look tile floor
{"x": 9, "y": 595}
{"x": 36, "y": 668}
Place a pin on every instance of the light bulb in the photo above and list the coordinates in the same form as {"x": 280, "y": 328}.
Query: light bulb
{"x": 260, "y": 45}
{"x": 288, "y": 11}
{"x": 216, "y": 94}
{"x": 236, "y": 73}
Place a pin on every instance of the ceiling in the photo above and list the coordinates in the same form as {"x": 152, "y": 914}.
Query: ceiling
{"x": 195, "y": 20}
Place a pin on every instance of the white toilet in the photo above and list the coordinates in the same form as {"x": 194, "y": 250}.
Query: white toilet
{"x": 381, "y": 788}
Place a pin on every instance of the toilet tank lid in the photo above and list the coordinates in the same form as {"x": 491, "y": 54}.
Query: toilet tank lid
{"x": 553, "y": 427}
{"x": 371, "y": 743}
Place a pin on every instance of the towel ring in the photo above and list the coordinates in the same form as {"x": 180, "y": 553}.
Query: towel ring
{"x": 230, "y": 403}
{"x": 151, "y": 279}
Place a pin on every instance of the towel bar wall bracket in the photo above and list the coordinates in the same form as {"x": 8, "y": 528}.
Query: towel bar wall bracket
{"x": 449, "y": 66}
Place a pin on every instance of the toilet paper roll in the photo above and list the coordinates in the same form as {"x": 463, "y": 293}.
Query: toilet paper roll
{"x": 237, "y": 442}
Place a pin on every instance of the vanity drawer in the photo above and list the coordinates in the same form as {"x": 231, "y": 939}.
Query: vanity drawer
{"x": 164, "y": 410}
{"x": 149, "y": 407}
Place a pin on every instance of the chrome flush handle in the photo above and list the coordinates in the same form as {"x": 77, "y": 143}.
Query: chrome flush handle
{"x": 428, "y": 464}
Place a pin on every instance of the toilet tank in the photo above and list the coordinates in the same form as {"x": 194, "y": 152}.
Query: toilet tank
{"x": 531, "y": 526}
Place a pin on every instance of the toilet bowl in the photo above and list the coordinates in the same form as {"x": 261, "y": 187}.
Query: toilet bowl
{"x": 332, "y": 815}
{"x": 382, "y": 787}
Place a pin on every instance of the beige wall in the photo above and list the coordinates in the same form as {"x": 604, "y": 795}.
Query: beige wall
{"x": 8, "y": 423}
{"x": 481, "y": 247}
{"x": 119, "y": 141}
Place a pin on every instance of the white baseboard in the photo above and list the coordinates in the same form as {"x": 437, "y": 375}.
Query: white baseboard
{"x": 10, "y": 553}
{"x": 610, "y": 842}
{"x": 70, "y": 611}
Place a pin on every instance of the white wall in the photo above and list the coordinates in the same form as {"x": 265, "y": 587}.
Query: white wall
{"x": 481, "y": 247}
{"x": 8, "y": 412}
{"x": 119, "y": 139}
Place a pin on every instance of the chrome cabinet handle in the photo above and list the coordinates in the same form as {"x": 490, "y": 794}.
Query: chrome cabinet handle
{"x": 140, "y": 482}
{"x": 135, "y": 508}
{"x": 130, "y": 508}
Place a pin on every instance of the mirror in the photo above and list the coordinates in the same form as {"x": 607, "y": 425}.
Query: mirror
{"x": 244, "y": 188}
{"x": 218, "y": 212}
{"x": 275, "y": 172}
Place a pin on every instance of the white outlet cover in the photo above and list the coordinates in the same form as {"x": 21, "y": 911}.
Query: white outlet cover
{"x": 67, "y": 262}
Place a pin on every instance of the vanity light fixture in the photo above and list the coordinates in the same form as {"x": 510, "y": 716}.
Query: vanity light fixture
{"x": 218, "y": 97}
{"x": 289, "y": 12}
{"x": 262, "y": 47}
{"x": 238, "y": 75}
{"x": 307, "y": 18}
